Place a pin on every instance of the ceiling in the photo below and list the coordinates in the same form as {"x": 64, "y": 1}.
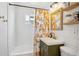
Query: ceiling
{"x": 45, "y": 5}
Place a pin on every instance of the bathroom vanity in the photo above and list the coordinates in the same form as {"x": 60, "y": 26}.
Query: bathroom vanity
{"x": 50, "y": 47}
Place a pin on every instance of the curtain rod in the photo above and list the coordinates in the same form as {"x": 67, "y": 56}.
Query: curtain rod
{"x": 26, "y": 6}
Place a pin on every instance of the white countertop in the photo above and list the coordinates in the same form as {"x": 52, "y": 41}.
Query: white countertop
{"x": 51, "y": 41}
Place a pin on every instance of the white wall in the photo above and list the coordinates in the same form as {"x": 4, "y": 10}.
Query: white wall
{"x": 69, "y": 32}
{"x": 24, "y": 32}
{"x": 3, "y": 30}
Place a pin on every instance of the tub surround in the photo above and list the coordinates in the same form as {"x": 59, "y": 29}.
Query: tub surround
{"x": 25, "y": 50}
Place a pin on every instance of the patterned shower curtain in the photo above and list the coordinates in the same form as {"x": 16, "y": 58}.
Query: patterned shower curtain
{"x": 42, "y": 27}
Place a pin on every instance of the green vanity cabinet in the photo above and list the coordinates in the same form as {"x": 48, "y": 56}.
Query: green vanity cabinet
{"x": 49, "y": 50}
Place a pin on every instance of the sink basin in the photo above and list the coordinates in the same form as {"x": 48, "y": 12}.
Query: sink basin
{"x": 51, "y": 41}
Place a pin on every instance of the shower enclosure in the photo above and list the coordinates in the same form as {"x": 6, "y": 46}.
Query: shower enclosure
{"x": 20, "y": 29}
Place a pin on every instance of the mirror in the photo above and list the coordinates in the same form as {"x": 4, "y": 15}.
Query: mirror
{"x": 57, "y": 20}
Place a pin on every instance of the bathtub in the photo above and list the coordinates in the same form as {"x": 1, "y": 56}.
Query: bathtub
{"x": 22, "y": 51}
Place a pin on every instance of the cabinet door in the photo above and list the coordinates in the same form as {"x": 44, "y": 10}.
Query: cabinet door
{"x": 68, "y": 32}
{"x": 77, "y": 40}
{"x": 69, "y": 35}
{"x": 44, "y": 52}
{"x": 74, "y": 39}
{"x": 78, "y": 31}
{"x": 77, "y": 34}
{"x": 43, "y": 49}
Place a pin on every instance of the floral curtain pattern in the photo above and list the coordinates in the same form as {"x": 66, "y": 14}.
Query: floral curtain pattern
{"x": 41, "y": 27}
